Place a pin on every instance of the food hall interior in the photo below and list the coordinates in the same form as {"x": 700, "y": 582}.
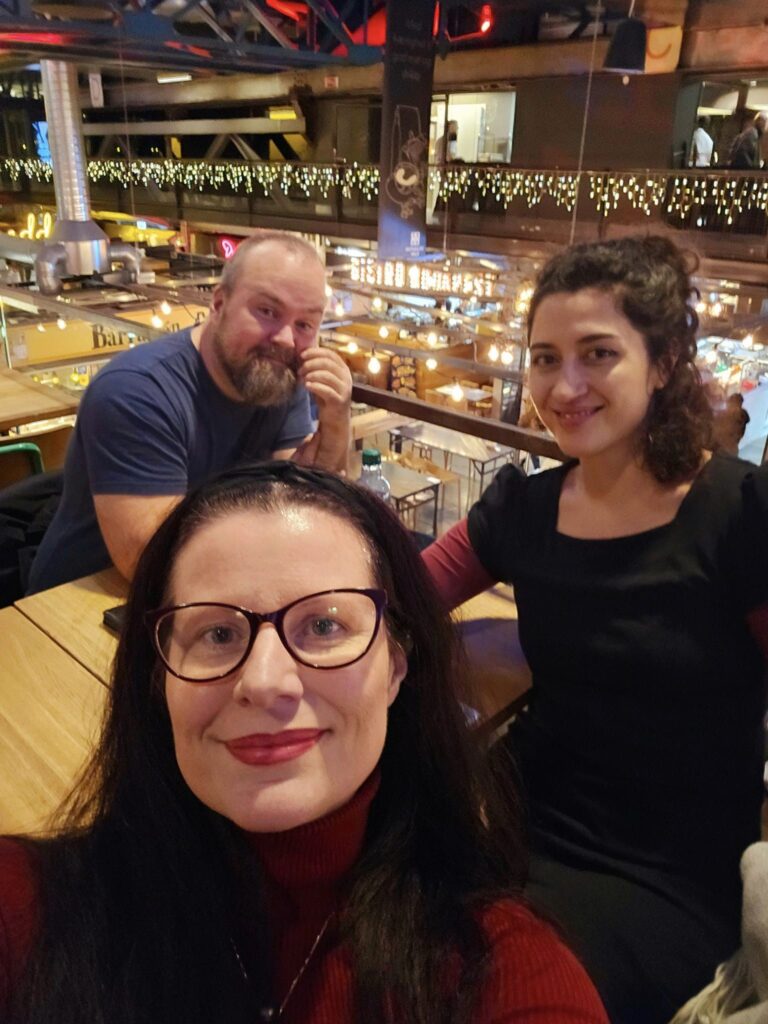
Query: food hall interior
{"x": 201, "y": 123}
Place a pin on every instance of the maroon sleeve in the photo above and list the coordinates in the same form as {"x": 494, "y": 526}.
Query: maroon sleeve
{"x": 534, "y": 978}
{"x": 18, "y": 915}
{"x": 757, "y": 620}
{"x": 455, "y": 569}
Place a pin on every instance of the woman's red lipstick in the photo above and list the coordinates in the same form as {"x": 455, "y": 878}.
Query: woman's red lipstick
{"x": 273, "y": 747}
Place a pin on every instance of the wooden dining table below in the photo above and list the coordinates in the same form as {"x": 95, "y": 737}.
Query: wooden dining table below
{"x": 23, "y": 400}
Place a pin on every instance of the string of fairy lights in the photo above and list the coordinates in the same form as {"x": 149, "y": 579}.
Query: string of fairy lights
{"x": 680, "y": 195}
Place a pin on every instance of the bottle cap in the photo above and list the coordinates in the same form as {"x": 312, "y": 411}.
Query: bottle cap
{"x": 371, "y": 457}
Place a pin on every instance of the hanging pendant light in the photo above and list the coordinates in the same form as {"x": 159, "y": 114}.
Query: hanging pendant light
{"x": 626, "y": 54}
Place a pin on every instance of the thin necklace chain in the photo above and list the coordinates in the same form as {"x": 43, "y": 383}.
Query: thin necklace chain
{"x": 268, "y": 1013}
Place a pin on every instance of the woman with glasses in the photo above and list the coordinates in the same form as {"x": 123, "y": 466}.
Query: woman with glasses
{"x": 640, "y": 569}
{"x": 284, "y": 819}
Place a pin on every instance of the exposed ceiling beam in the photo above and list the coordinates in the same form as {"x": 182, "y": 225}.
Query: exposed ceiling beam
{"x": 461, "y": 68}
{"x": 247, "y": 152}
{"x": 143, "y": 39}
{"x": 326, "y": 13}
{"x": 215, "y": 126}
{"x": 210, "y": 20}
{"x": 268, "y": 24}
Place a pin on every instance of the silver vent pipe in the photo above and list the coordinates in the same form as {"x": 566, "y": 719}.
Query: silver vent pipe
{"x": 86, "y": 248}
{"x": 129, "y": 256}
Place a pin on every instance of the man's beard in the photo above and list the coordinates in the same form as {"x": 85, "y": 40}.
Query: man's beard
{"x": 266, "y": 376}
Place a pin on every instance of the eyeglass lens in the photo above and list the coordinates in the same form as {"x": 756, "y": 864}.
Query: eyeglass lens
{"x": 325, "y": 630}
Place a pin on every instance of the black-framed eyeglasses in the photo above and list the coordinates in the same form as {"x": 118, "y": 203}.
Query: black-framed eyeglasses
{"x": 204, "y": 641}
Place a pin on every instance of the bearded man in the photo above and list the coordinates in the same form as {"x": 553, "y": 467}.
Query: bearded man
{"x": 161, "y": 417}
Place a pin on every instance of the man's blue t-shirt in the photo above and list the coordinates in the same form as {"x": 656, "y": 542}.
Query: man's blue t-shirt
{"x": 152, "y": 423}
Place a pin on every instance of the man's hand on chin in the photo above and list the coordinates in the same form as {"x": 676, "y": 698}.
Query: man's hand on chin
{"x": 326, "y": 377}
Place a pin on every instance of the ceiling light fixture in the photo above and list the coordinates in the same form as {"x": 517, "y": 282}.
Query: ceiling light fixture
{"x": 168, "y": 77}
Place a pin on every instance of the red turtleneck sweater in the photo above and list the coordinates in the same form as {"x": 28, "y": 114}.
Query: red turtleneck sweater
{"x": 533, "y": 977}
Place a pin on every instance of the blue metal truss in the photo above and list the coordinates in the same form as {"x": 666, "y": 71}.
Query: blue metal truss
{"x": 137, "y": 34}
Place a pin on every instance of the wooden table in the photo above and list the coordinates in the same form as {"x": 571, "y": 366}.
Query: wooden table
{"x": 499, "y": 673}
{"x": 50, "y": 710}
{"x": 483, "y": 456}
{"x": 374, "y": 421}
{"x": 24, "y": 401}
{"x": 406, "y": 486}
{"x": 71, "y": 615}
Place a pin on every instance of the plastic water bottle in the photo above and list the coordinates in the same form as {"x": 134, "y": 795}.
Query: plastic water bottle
{"x": 371, "y": 475}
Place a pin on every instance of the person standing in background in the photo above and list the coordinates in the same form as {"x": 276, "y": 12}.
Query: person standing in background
{"x": 745, "y": 151}
{"x": 702, "y": 146}
{"x": 446, "y": 147}
{"x": 729, "y": 425}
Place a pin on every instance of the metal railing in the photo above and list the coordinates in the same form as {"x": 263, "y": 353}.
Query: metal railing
{"x": 488, "y": 429}
{"x": 482, "y": 199}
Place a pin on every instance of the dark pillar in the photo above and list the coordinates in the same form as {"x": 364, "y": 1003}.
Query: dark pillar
{"x": 408, "y": 64}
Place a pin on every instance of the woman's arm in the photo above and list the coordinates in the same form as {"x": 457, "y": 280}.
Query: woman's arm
{"x": 757, "y": 621}
{"x": 455, "y": 569}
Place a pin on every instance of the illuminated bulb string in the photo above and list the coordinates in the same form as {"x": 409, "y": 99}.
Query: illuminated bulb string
{"x": 676, "y": 196}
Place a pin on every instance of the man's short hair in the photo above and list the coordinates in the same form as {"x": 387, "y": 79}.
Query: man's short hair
{"x": 293, "y": 243}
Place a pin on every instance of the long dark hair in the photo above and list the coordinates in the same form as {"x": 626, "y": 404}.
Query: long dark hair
{"x": 651, "y": 281}
{"x": 145, "y": 888}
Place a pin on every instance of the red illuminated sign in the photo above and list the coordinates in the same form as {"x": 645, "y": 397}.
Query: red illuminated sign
{"x": 227, "y": 246}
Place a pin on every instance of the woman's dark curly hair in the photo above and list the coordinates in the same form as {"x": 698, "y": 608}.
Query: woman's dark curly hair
{"x": 650, "y": 279}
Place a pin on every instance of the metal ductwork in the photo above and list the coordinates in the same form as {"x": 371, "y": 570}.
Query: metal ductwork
{"x": 78, "y": 246}
{"x": 129, "y": 256}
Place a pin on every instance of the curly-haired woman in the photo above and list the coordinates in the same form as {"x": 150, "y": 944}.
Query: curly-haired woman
{"x": 640, "y": 569}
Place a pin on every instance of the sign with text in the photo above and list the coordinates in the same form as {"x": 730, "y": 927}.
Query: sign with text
{"x": 422, "y": 277}
{"x": 79, "y": 339}
{"x": 408, "y": 64}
